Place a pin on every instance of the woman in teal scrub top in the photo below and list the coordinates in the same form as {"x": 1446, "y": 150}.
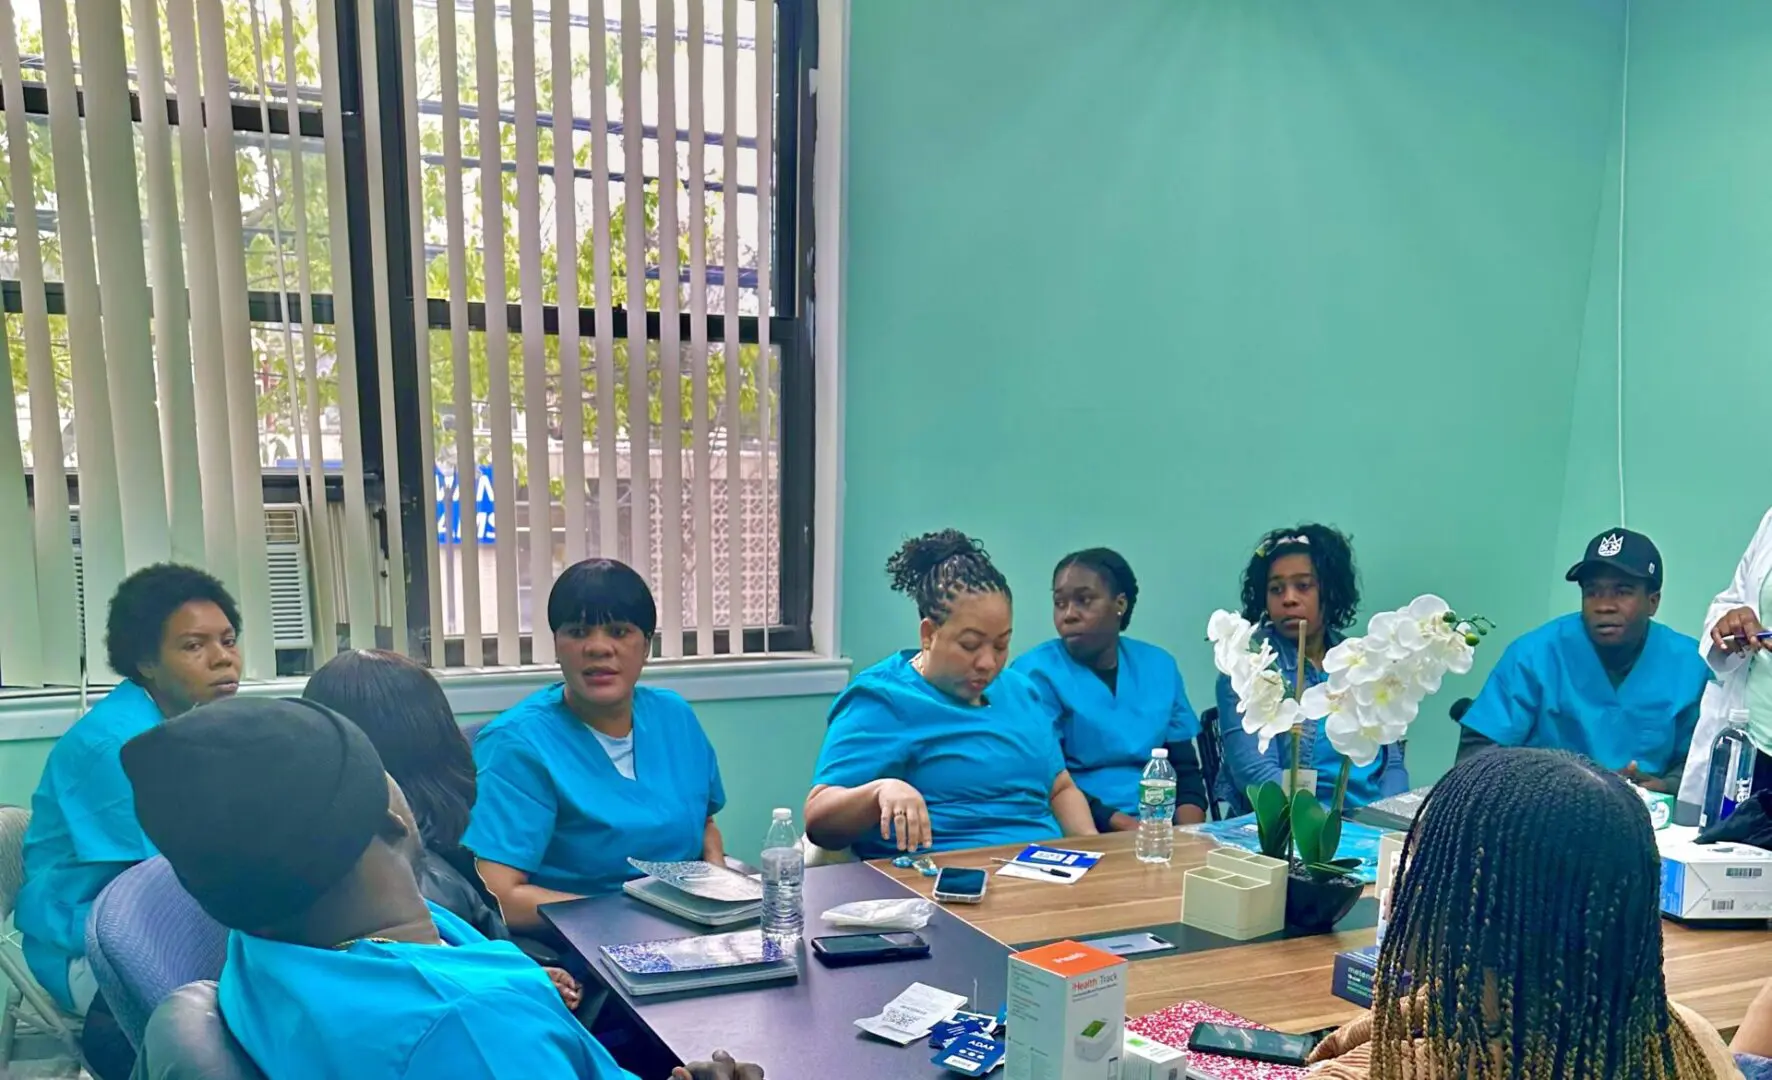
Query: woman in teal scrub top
{"x": 171, "y": 633}
{"x": 1301, "y": 581}
{"x": 1116, "y": 698}
{"x": 577, "y": 778}
{"x": 940, "y": 747}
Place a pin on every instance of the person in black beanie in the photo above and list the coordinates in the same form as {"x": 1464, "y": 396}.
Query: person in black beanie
{"x": 279, "y": 819}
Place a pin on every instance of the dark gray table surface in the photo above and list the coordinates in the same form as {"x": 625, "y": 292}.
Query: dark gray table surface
{"x": 804, "y": 1030}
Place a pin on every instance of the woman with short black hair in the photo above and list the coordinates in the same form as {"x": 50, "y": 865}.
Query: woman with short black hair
{"x": 1300, "y": 588}
{"x": 1115, "y": 698}
{"x": 171, "y": 633}
{"x": 577, "y": 778}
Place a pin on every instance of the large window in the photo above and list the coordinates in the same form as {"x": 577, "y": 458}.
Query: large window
{"x": 442, "y": 364}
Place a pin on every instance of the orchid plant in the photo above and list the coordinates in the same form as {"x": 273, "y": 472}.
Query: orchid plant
{"x": 1374, "y": 692}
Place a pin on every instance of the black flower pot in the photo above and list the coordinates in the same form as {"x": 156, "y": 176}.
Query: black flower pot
{"x": 1313, "y": 906}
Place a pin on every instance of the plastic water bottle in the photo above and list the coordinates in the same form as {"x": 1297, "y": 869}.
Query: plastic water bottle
{"x": 1156, "y": 809}
{"x": 784, "y": 876}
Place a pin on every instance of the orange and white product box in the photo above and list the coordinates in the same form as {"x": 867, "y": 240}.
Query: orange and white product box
{"x": 1067, "y": 1013}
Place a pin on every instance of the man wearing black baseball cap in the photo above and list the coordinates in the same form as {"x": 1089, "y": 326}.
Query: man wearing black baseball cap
{"x": 279, "y": 820}
{"x": 1608, "y": 682}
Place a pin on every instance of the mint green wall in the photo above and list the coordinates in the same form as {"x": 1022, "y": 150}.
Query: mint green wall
{"x": 1163, "y": 274}
{"x": 21, "y": 763}
{"x": 1698, "y": 270}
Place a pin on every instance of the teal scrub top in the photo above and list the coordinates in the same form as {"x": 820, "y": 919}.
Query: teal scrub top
{"x": 82, "y": 834}
{"x": 469, "y": 1009}
{"x": 986, "y": 771}
{"x": 1108, "y": 734}
{"x": 1550, "y": 690}
{"x": 551, "y": 804}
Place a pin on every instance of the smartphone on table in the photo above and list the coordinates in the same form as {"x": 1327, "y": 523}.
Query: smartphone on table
{"x": 844, "y": 950}
{"x": 1254, "y": 1044}
{"x": 960, "y": 885}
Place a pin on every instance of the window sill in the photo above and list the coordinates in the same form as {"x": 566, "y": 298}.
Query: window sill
{"x": 27, "y": 715}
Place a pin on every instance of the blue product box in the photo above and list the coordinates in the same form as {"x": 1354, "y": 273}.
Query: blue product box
{"x": 1354, "y": 974}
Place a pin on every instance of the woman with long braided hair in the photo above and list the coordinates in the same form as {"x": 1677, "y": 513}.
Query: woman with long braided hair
{"x": 1524, "y": 940}
{"x": 939, "y": 747}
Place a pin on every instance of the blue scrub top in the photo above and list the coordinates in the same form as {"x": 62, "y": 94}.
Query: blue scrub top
{"x": 551, "y": 804}
{"x": 1550, "y": 690}
{"x": 1245, "y": 766}
{"x": 985, "y": 771}
{"x": 469, "y": 1009}
{"x": 1108, "y": 734}
{"x": 83, "y": 833}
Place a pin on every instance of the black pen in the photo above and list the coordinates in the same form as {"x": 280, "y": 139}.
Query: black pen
{"x": 1053, "y": 870}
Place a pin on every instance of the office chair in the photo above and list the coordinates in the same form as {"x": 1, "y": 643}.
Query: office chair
{"x": 1212, "y": 764}
{"x": 188, "y": 1039}
{"x": 145, "y": 938}
{"x": 29, "y": 1008}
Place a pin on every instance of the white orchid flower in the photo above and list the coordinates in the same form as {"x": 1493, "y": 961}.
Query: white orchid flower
{"x": 1384, "y": 636}
{"x": 1352, "y": 663}
{"x": 1267, "y": 710}
{"x": 1390, "y": 703}
{"x": 1223, "y": 624}
{"x": 1351, "y": 738}
{"x": 1230, "y": 635}
{"x": 1428, "y": 607}
{"x": 1321, "y": 700}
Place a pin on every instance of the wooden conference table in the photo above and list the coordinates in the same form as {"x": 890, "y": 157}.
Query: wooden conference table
{"x": 1283, "y": 984}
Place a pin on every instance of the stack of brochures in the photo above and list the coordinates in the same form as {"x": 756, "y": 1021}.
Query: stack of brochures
{"x": 700, "y": 892}
{"x": 675, "y": 965}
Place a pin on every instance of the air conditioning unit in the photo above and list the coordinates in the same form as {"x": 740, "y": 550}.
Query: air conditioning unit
{"x": 286, "y": 565}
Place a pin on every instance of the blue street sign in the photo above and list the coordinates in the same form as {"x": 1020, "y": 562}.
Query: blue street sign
{"x": 449, "y": 506}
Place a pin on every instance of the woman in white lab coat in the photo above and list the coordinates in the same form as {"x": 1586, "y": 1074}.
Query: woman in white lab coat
{"x": 1729, "y": 645}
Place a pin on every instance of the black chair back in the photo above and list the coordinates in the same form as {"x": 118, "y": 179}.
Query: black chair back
{"x": 1211, "y": 762}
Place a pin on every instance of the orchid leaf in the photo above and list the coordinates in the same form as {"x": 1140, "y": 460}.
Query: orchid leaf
{"x": 1308, "y": 821}
{"x": 1273, "y": 819}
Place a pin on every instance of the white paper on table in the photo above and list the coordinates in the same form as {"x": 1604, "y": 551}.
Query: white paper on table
{"x": 911, "y": 1015}
{"x": 1071, "y": 875}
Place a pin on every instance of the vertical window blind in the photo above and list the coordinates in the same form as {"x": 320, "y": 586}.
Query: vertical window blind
{"x": 241, "y": 237}
{"x": 570, "y": 141}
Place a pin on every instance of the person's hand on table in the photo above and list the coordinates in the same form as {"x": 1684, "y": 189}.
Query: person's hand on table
{"x": 570, "y": 992}
{"x": 1647, "y": 783}
{"x": 1123, "y": 822}
{"x": 721, "y": 1068}
{"x": 1742, "y": 627}
{"x": 904, "y": 816}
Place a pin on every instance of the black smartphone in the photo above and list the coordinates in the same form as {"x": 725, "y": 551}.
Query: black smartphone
{"x": 1255, "y": 1044}
{"x": 842, "y": 950}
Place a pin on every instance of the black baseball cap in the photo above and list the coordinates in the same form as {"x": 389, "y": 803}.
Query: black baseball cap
{"x": 1629, "y": 553}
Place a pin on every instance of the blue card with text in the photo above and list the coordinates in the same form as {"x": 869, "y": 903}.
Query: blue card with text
{"x": 973, "y": 1055}
{"x": 1062, "y": 858}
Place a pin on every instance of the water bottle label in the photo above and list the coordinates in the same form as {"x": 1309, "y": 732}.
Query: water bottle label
{"x": 1156, "y": 794}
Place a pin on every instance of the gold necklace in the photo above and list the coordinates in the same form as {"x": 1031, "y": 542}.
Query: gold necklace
{"x": 344, "y": 946}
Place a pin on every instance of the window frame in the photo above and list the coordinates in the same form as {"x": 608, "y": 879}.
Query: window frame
{"x": 790, "y": 325}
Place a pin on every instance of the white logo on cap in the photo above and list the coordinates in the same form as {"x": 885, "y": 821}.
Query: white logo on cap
{"x": 1610, "y": 546}
{"x": 1652, "y": 568}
